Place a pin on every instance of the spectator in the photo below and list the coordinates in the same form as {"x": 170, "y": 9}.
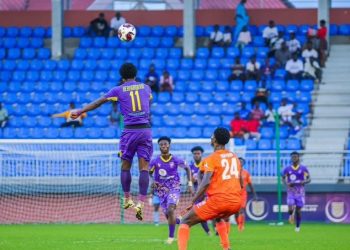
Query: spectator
{"x": 294, "y": 68}
{"x": 260, "y": 96}
{"x": 242, "y": 19}
{"x": 251, "y": 127}
{"x": 293, "y": 44}
{"x": 4, "y": 117}
{"x": 253, "y": 69}
{"x": 69, "y": 121}
{"x": 114, "y": 115}
{"x": 285, "y": 112}
{"x": 323, "y": 44}
{"x": 257, "y": 113}
{"x": 237, "y": 126}
{"x": 166, "y": 82}
{"x": 270, "y": 32}
{"x": 282, "y": 55}
{"x": 152, "y": 78}
{"x": 99, "y": 26}
{"x": 116, "y": 21}
{"x": 270, "y": 114}
{"x": 309, "y": 51}
{"x": 244, "y": 112}
{"x": 312, "y": 70}
{"x": 244, "y": 38}
{"x": 237, "y": 71}
{"x": 216, "y": 37}
{"x": 276, "y": 44}
{"x": 267, "y": 71}
{"x": 296, "y": 126}
{"x": 227, "y": 37}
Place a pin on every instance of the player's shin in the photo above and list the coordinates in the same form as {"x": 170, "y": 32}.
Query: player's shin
{"x": 183, "y": 236}
{"x": 222, "y": 231}
{"x": 205, "y": 227}
{"x": 143, "y": 185}
{"x": 125, "y": 179}
{"x": 298, "y": 219}
{"x": 228, "y": 226}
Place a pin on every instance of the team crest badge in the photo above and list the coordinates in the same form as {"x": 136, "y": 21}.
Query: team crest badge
{"x": 171, "y": 164}
{"x": 258, "y": 208}
{"x": 337, "y": 209}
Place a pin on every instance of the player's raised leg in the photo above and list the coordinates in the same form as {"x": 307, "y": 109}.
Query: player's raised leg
{"x": 125, "y": 179}
{"x": 291, "y": 212}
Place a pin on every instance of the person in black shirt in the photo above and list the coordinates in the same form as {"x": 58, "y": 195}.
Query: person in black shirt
{"x": 99, "y": 26}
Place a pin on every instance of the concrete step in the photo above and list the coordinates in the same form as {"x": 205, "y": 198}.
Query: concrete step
{"x": 325, "y": 147}
{"x": 328, "y": 133}
{"x": 319, "y": 123}
{"x": 332, "y": 101}
{"x": 344, "y": 110}
{"x": 334, "y": 87}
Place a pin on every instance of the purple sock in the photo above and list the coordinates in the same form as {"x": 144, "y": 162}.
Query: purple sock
{"x": 178, "y": 221}
{"x": 125, "y": 178}
{"x": 205, "y": 226}
{"x": 298, "y": 219}
{"x": 143, "y": 185}
{"x": 171, "y": 231}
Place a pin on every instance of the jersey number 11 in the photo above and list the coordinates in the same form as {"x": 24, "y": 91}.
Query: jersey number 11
{"x": 135, "y": 95}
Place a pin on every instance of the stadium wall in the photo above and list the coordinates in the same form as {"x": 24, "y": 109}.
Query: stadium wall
{"x": 174, "y": 17}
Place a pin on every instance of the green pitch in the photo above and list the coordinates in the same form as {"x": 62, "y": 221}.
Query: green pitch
{"x": 149, "y": 237}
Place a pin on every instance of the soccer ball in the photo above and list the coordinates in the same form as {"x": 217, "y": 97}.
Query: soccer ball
{"x": 126, "y": 32}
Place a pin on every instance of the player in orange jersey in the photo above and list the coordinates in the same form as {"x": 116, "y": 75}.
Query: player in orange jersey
{"x": 247, "y": 181}
{"x": 222, "y": 184}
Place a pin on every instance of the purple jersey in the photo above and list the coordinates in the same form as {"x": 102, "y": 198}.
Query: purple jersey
{"x": 296, "y": 176}
{"x": 166, "y": 174}
{"x": 134, "y": 99}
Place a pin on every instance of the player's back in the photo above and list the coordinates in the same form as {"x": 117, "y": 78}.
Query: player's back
{"x": 134, "y": 98}
{"x": 226, "y": 169}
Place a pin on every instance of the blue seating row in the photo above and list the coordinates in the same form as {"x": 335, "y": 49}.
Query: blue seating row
{"x": 114, "y": 42}
{"x": 27, "y": 53}
{"x": 22, "y": 42}
{"x": 158, "y": 31}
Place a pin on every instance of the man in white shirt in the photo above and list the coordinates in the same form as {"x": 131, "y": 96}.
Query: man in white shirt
{"x": 294, "y": 68}
{"x": 253, "y": 69}
{"x": 116, "y": 22}
{"x": 244, "y": 38}
{"x": 270, "y": 32}
{"x": 216, "y": 37}
{"x": 227, "y": 37}
{"x": 286, "y": 112}
{"x": 293, "y": 44}
{"x": 3, "y": 116}
{"x": 309, "y": 51}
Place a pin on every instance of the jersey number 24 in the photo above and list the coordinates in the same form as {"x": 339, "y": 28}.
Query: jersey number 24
{"x": 231, "y": 168}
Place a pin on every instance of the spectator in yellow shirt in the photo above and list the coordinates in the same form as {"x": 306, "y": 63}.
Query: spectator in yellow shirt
{"x": 69, "y": 121}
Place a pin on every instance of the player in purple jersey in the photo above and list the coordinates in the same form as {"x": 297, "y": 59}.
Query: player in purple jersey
{"x": 134, "y": 99}
{"x": 166, "y": 182}
{"x": 197, "y": 153}
{"x": 295, "y": 177}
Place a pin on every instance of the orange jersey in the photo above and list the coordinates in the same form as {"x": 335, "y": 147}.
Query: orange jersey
{"x": 226, "y": 169}
{"x": 246, "y": 180}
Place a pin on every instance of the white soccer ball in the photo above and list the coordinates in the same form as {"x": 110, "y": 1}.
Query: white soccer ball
{"x": 126, "y": 32}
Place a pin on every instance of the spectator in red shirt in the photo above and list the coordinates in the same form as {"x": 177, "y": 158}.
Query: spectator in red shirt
{"x": 237, "y": 126}
{"x": 251, "y": 128}
{"x": 257, "y": 113}
{"x": 322, "y": 36}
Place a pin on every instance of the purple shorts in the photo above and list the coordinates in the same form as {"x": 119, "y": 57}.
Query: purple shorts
{"x": 172, "y": 198}
{"x": 295, "y": 200}
{"x": 136, "y": 141}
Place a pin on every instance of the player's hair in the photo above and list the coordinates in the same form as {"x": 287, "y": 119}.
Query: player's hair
{"x": 222, "y": 136}
{"x": 164, "y": 138}
{"x": 241, "y": 159}
{"x": 128, "y": 71}
{"x": 197, "y": 148}
{"x": 294, "y": 153}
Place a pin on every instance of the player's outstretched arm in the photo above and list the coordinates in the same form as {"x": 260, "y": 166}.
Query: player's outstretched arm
{"x": 91, "y": 106}
{"x": 203, "y": 186}
{"x": 253, "y": 191}
{"x": 189, "y": 178}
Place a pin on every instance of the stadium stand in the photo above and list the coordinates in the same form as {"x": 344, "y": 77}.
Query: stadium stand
{"x": 6, "y": 5}
{"x": 229, "y": 4}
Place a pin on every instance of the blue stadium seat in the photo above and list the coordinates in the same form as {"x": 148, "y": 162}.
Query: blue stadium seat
{"x": 258, "y": 41}
{"x": 43, "y": 53}
{"x": 265, "y": 144}
{"x": 2, "y": 31}
{"x": 293, "y": 144}
{"x": 101, "y": 75}
{"x": 344, "y": 30}
{"x": 158, "y": 109}
{"x": 44, "y": 121}
{"x": 12, "y": 32}
{"x": 183, "y": 75}
{"x": 169, "y": 121}
{"x": 148, "y": 53}
{"x": 171, "y": 109}
{"x": 5, "y": 75}
{"x": 107, "y": 53}
{"x": 197, "y": 75}
{"x": 22, "y": 64}
{"x": 236, "y": 85}
{"x": 9, "y": 42}
{"x": 144, "y": 31}
{"x": 46, "y": 75}
{"x": 22, "y": 133}
{"x": 167, "y": 42}
{"x": 250, "y": 85}
{"x": 186, "y": 63}
{"x": 224, "y": 74}
{"x": 214, "y": 109}
{"x": 28, "y": 53}
{"x": 267, "y": 133}
{"x": 205, "y": 97}
{"x": 186, "y": 109}
{"x": 278, "y": 85}
{"x": 164, "y": 97}
{"x": 36, "y": 43}
{"x": 306, "y": 85}
{"x": 134, "y": 53}
{"x": 217, "y": 52}
{"x": 90, "y": 64}
{"x": 171, "y": 31}
{"x": 99, "y": 42}
{"x": 211, "y": 75}
{"x": 51, "y": 133}
{"x": 78, "y": 31}
{"x": 199, "y": 31}
{"x": 191, "y": 97}
{"x": 69, "y": 86}
{"x": 81, "y": 133}
{"x": 113, "y": 76}
{"x": 303, "y": 29}
{"x": 333, "y": 29}
{"x": 172, "y": 63}
{"x": 113, "y": 42}
{"x": 208, "y": 86}
{"x": 220, "y": 97}
{"x": 67, "y": 31}
{"x": 247, "y": 96}
{"x": 9, "y": 65}
{"x": 94, "y": 54}
{"x": 9, "y": 133}
{"x": 214, "y": 63}
{"x": 202, "y": 53}
{"x": 13, "y": 53}
{"x": 153, "y": 42}
{"x": 63, "y": 65}
{"x": 23, "y": 42}
{"x": 18, "y": 76}
{"x": 283, "y": 144}
{"x": 36, "y": 98}
{"x": 292, "y": 85}
{"x": 77, "y": 64}
{"x": 213, "y": 121}
{"x": 109, "y": 133}
{"x": 80, "y": 53}
{"x": 222, "y": 86}
{"x": 290, "y": 96}
{"x": 233, "y": 52}
{"x": 39, "y": 32}
{"x": 233, "y": 97}
{"x": 66, "y": 133}
{"x": 304, "y": 97}
{"x": 2, "y": 53}
{"x": 180, "y": 86}
{"x": 276, "y": 97}
{"x": 194, "y": 86}
{"x": 284, "y": 132}
{"x": 175, "y": 53}
{"x": 291, "y": 28}
{"x": 303, "y": 108}
{"x": 262, "y": 52}
{"x": 251, "y": 144}
{"x": 15, "y": 86}
{"x": 162, "y": 53}
{"x": 194, "y": 132}
{"x": 59, "y": 75}
{"x": 86, "y": 42}
{"x": 280, "y": 74}
{"x": 177, "y": 97}
{"x": 248, "y": 52}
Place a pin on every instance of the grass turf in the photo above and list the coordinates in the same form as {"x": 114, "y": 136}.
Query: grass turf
{"x": 149, "y": 237}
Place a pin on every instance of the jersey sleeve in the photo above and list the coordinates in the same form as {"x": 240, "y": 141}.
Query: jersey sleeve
{"x": 112, "y": 95}
{"x": 152, "y": 166}
{"x": 208, "y": 165}
{"x": 249, "y": 178}
{"x": 180, "y": 162}
{"x": 306, "y": 173}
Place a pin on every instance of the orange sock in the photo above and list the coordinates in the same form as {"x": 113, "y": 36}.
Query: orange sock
{"x": 228, "y": 227}
{"x": 239, "y": 220}
{"x": 222, "y": 231}
{"x": 183, "y": 236}
{"x": 243, "y": 220}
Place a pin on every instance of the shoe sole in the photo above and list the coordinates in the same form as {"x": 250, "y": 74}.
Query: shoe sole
{"x": 139, "y": 214}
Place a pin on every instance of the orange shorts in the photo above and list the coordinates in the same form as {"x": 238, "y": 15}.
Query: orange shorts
{"x": 216, "y": 208}
{"x": 244, "y": 201}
